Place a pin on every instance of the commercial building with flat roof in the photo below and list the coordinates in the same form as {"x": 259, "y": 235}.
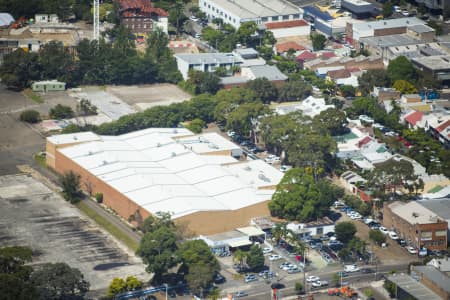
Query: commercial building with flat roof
{"x": 419, "y": 226}
{"x": 434, "y": 279}
{"x": 436, "y": 66}
{"x": 407, "y": 287}
{"x": 196, "y": 178}
{"x": 260, "y": 11}
{"x": 205, "y": 62}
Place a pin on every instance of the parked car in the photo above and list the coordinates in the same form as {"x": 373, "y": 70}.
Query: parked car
{"x": 284, "y": 265}
{"x": 312, "y": 278}
{"x": 274, "y": 257}
{"x": 393, "y": 235}
{"x": 292, "y": 271}
{"x": 285, "y": 168}
{"x": 383, "y": 230}
{"x": 374, "y": 226}
{"x": 342, "y": 274}
{"x": 367, "y": 270}
{"x": 401, "y": 242}
{"x": 266, "y": 250}
{"x": 231, "y": 133}
{"x": 411, "y": 250}
{"x": 218, "y": 278}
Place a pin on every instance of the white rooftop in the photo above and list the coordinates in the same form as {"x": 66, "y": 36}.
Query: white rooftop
{"x": 414, "y": 213}
{"x": 157, "y": 169}
{"x": 78, "y": 137}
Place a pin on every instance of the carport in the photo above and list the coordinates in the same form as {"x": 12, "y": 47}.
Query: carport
{"x": 254, "y": 234}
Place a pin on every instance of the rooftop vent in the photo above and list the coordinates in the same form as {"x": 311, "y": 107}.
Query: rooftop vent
{"x": 415, "y": 215}
{"x": 158, "y": 145}
{"x": 75, "y": 137}
{"x": 173, "y": 154}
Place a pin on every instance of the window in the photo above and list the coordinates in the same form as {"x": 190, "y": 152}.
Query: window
{"x": 319, "y": 230}
{"x": 440, "y": 233}
{"x": 275, "y": 18}
{"x": 264, "y": 19}
{"x": 296, "y": 16}
{"x": 426, "y": 234}
{"x": 286, "y": 17}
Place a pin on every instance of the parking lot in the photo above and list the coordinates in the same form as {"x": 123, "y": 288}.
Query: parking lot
{"x": 34, "y": 216}
{"x": 145, "y": 96}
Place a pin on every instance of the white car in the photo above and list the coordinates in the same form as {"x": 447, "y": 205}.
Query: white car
{"x": 368, "y": 220}
{"x": 289, "y": 266}
{"x": 393, "y": 235}
{"x": 351, "y": 268}
{"x": 193, "y": 18}
{"x": 284, "y": 265}
{"x": 312, "y": 278}
{"x": 266, "y": 250}
{"x": 319, "y": 283}
{"x": 383, "y": 230}
{"x": 356, "y": 216}
{"x": 274, "y": 257}
{"x": 405, "y": 13}
{"x": 411, "y": 249}
{"x": 231, "y": 133}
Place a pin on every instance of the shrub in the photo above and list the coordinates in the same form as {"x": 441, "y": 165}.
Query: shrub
{"x": 61, "y": 112}
{"x": 30, "y": 116}
{"x": 99, "y": 197}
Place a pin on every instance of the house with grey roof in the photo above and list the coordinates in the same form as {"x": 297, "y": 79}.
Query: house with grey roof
{"x": 271, "y": 73}
{"x": 205, "y": 62}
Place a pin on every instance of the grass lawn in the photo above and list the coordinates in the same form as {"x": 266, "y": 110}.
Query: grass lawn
{"x": 40, "y": 159}
{"x": 30, "y": 94}
{"x": 436, "y": 189}
{"x": 111, "y": 228}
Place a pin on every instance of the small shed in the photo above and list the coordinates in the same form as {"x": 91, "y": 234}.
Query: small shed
{"x": 48, "y": 86}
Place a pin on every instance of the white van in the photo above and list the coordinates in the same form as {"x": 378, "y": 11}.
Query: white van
{"x": 351, "y": 268}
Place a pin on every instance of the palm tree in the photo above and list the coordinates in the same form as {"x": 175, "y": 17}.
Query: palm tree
{"x": 239, "y": 256}
{"x": 280, "y": 232}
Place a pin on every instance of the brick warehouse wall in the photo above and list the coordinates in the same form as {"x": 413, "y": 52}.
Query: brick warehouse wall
{"x": 411, "y": 232}
{"x": 207, "y": 222}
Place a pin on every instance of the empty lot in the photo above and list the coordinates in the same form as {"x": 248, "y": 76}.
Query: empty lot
{"x": 146, "y": 96}
{"x": 34, "y": 216}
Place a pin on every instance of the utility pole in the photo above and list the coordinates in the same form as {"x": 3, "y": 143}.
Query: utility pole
{"x": 96, "y": 6}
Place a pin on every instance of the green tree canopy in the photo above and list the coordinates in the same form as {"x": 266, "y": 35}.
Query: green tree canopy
{"x": 264, "y": 89}
{"x": 377, "y": 236}
{"x": 294, "y": 91}
{"x": 345, "y": 231}
{"x": 373, "y": 78}
{"x": 331, "y": 121}
{"x": 19, "y": 69}
{"x": 240, "y": 119}
{"x": 404, "y": 87}
{"x": 71, "y": 186}
{"x": 318, "y": 41}
{"x": 299, "y": 197}
{"x": 401, "y": 68}
{"x": 59, "y": 281}
{"x": 255, "y": 258}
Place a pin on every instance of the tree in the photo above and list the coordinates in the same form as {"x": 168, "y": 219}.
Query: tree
{"x": 86, "y": 107}
{"x": 204, "y": 82}
{"x": 241, "y": 119}
{"x": 347, "y": 91}
{"x": 298, "y": 288}
{"x": 331, "y": 122}
{"x": 30, "y": 116}
{"x": 401, "y": 68}
{"x": 176, "y": 15}
{"x": 15, "y": 275}
{"x": 71, "y": 186}
{"x": 298, "y": 197}
{"x": 196, "y": 125}
{"x": 19, "y": 69}
{"x": 318, "y": 41}
{"x": 264, "y": 89}
{"x": 345, "y": 231}
{"x": 157, "y": 249}
{"x": 246, "y": 31}
{"x": 377, "y": 236}
{"x": 373, "y": 78}
{"x": 61, "y": 112}
{"x": 404, "y": 87}
{"x": 117, "y": 286}
{"x": 388, "y": 9}
{"x": 198, "y": 263}
{"x": 294, "y": 91}
{"x": 133, "y": 283}
{"x": 255, "y": 258}
{"x": 59, "y": 281}
{"x": 56, "y": 61}
{"x": 239, "y": 256}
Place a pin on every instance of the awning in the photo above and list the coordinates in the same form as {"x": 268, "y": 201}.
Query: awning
{"x": 240, "y": 243}
{"x": 251, "y": 231}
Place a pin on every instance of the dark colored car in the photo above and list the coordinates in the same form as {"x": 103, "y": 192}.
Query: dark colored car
{"x": 367, "y": 270}
{"x": 218, "y": 278}
{"x": 277, "y": 286}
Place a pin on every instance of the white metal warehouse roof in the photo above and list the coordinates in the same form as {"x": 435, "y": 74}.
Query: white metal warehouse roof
{"x": 158, "y": 170}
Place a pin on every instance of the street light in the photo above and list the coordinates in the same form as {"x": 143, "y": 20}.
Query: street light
{"x": 166, "y": 285}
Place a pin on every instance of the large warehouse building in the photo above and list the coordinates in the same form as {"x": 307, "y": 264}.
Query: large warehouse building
{"x": 199, "y": 179}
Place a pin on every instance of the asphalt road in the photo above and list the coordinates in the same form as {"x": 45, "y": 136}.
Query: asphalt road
{"x": 261, "y": 289}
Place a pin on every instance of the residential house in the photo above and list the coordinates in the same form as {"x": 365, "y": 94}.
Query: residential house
{"x": 305, "y": 56}
{"x": 283, "y": 48}
{"x": 48, "y": 86}
{"x": 412, "y": 118}
{"x": 354, "y": 183}
{"x": 361, "y": 62}
{"x": 383, "y": 94}
{"x": 141, "y": 17}
{"x": 271, "y": 73}
{"x": 439, "y": 127}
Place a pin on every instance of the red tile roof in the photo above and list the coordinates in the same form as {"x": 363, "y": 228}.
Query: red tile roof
{"x": 336, "y": 74}
{"x": 284, "y": 47}
{"x": 140, "y": 8}
{"x": 414, "y": 117}
{"x": 443, "y": 126}
{"x": 306, "y": 55}
{"x": 328, "y": 54}
{"x": 364, "y": 141}
{"x": 286, "y": 24}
